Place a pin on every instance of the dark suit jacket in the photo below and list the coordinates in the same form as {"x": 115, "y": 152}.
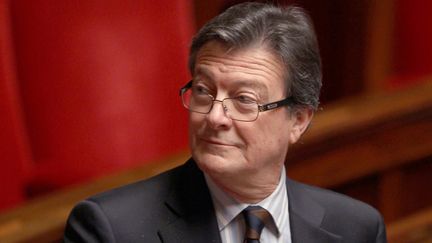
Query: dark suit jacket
{"x": 176, "y": 206}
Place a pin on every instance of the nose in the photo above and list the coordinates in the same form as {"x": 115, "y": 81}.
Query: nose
{"x": 217, "y": 117}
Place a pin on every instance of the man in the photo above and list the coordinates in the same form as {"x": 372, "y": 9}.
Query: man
{"x": 256, "y": 82}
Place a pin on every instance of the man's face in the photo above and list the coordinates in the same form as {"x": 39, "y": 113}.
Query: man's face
{"x": 225, "y": 148}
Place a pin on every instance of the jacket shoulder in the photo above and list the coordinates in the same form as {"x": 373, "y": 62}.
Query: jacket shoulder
{"x": 342, "y": 214}
{"x": 133, "y": 212}
{"x": 150, "y": 189}
{"x": 337, "y": 203}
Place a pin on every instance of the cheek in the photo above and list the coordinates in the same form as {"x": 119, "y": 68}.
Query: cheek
{"x": 256, "y": 139}
{"x": 267, "y": 137}
{"x": 195, "y": 122}
{"x": 194, "y": 126}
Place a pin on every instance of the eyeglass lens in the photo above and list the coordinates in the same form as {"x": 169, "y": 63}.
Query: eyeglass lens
{"x": 235, "y": 108}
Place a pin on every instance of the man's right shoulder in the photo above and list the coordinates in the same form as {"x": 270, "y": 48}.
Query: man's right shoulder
{"x": 143, "y": 192}
{"x": 129, "y": 213}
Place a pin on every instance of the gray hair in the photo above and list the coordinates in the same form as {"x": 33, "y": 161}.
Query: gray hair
{"x": 287, "y": 32}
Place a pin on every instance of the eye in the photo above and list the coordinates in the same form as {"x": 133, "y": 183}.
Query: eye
{"x": 246, "y": 99}
{"x": 200, "y": 90}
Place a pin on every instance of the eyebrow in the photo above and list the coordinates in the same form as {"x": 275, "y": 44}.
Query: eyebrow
{"x": 251, "y": 84}
{"x": 241, "y": 82}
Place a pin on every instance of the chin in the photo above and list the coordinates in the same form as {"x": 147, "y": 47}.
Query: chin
{"x": 213, "y": 164}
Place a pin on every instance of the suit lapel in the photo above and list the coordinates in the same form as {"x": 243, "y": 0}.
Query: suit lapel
{"x": 190, "y": 208}
{"x": 306, "y": 216}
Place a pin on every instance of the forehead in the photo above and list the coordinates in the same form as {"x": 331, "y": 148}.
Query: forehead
{"x": 254, "y": 62}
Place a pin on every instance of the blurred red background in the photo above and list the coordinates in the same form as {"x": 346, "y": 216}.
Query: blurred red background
{"x": 88, "y": 87}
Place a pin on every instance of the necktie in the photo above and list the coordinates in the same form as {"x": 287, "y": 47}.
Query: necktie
{"x": 256, "y": 218}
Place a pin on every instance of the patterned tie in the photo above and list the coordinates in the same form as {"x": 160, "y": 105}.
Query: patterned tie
{"x": 256, "y": 218}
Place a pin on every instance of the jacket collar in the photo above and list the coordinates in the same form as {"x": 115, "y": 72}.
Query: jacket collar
{"x": 306, "y": 216}
{"x": 189, "y": 204}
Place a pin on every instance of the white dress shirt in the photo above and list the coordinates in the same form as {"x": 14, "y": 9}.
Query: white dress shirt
{"x": 230, "y": 220}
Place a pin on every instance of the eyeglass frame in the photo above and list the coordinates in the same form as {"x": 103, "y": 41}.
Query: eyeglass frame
{"x": 261, "y": 108}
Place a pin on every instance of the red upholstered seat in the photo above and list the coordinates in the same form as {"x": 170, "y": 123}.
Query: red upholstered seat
{"x": 98, "y": 82}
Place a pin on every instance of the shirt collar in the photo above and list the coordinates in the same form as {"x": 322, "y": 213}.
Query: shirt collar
{"x": 227, "y": 208}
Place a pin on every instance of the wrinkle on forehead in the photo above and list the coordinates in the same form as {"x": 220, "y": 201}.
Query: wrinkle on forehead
{"x": 252, "y": 60}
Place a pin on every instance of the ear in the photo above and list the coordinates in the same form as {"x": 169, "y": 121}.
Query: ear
{"x": 301, "y": 119}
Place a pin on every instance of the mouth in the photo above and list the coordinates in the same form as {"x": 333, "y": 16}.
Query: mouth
{"x": 214, "y": 142}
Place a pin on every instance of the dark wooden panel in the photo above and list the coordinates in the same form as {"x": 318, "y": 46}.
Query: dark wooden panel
{"x": 417, "y": 186}
{"x": 416, "y": 228}
{"x": 375, "y": 148}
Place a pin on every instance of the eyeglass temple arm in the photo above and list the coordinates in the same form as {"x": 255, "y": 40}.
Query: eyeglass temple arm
{"x": 184, "y": 88}
{"x": 276, "y": 104}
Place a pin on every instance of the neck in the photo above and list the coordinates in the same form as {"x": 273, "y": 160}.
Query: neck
{"x": 250, "y": 190}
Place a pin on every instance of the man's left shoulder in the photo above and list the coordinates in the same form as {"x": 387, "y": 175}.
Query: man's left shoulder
{"x": 340, "y": 214}
{"x": 335, "y": 203}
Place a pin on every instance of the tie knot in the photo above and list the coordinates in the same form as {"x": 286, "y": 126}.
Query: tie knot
{"x": 256, "y": 218}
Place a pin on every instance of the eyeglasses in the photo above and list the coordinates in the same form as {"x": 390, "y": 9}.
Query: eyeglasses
{"x": 238, "y": 108}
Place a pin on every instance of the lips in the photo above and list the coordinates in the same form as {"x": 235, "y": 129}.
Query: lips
{"x": 214, "y": 142}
